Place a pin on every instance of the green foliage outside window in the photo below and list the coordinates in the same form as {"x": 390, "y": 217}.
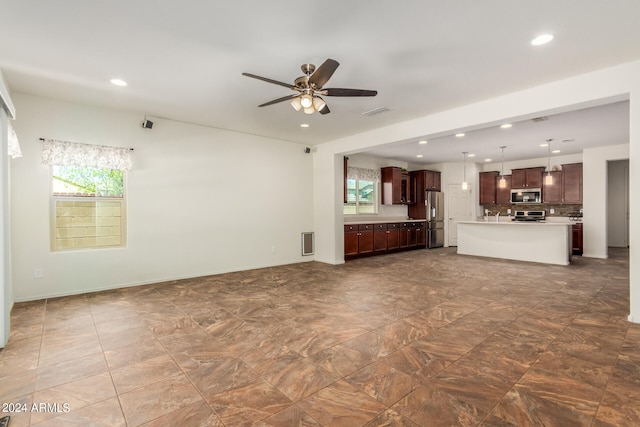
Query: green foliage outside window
{"x": 86, "y": 181}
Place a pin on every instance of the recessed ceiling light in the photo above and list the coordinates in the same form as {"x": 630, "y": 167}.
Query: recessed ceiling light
{"x": 459, "y": 135}
{"x": 304, "y": 125}
{"x": 544, "y": 145}
{"x": 118, "y": 82}
{"x": 471, "y": 155}
{"x": 419, "y": 155}
{"x": 506, "y": 126}
{"x": 542, "y": 39}
{"x": 422, "y": 142}
{"x": 555, "y": 151}
{"x": 488, "y": 160}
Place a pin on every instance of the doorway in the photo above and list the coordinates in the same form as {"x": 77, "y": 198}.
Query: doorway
{"x": 460, "y": 206}
{"x": 618, "y": 203}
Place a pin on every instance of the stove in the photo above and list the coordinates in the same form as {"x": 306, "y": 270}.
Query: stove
{"x": 529, "y": 216}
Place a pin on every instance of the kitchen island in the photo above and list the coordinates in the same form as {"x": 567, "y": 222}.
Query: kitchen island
{"x": 544, "y": 242}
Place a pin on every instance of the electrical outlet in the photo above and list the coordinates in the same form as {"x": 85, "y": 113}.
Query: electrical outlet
{"x": 273, "y": 249}
{"x": 38, "y": 273}
{"x": 552, "y": 211}
{"x": 509, "y": 211}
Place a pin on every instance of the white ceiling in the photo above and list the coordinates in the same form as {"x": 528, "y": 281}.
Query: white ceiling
{"x": 183, "y": 60}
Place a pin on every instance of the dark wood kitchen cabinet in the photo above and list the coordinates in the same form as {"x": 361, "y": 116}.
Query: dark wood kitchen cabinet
{"x": 418, "y": 209}
{"x": 432, "y": 181}
{"x": 358, "y": 240}
{"x": 396, "y": 186}
{"x": 487, "y": 185}
{"x": 422, "y": 181}
{"x": 572, "y": 183}
{"x": 350, "y": 240}
{"x": 381, "y": 238}
{"x": 421, "y": 233}
{"x": 552, "y": 193}
{"x": 345, "y": 168}
{"x": 503, "y": 195}
{"x": 393, "y": 236}
{"x": 527, "y": 178}
{"x": 577, "y": 238}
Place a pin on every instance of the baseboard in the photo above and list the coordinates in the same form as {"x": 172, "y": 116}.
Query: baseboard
{"x": 599, "y": 256}
{"x": 150, "y": 282}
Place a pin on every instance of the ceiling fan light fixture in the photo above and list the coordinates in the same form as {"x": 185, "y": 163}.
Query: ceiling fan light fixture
{"x": 306, "y": 100}
{"x": 318, "y": 103}
{"x": 296, "y": 104}
{"x": 309, "y": 110}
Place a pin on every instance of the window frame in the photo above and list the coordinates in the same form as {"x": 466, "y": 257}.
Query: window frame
{"x": 376, "y": 192}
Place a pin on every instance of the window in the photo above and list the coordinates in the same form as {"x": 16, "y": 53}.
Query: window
{"x": 88, "y": 207}
{"x": 87, "y": 194}
{"x": 362, "y": 185}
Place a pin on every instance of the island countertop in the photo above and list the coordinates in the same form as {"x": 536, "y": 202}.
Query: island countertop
{"x": 527, "y": 223}
{"x": 545, "y": 242}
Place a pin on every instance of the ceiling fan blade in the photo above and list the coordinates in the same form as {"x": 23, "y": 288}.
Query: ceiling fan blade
{"x": 275, "y": 101}
{"x": 323, "y": 73}
{"x": 265, "y": 79}
{"x": 349, "y": 92}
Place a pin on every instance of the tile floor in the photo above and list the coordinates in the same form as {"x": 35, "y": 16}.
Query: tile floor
{"x": 423, "y": 338}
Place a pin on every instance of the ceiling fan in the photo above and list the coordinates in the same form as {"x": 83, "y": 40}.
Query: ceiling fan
{"x": 309, "y": 87}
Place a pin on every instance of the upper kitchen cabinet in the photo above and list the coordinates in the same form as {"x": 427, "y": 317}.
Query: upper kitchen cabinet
{"x": 422, "y": 181}
{"x": 432, "y": 181}
{"x": 572, "y": 183}
{"x": 552, "y": 193}
{"x": 396, "y": 186}
{"x": 503, "y": 195}
{"x": 527, "y": 178}
{"x": 487, "y": 184}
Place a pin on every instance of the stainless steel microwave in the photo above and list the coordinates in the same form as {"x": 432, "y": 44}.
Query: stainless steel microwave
{"x": 529, "y": 195}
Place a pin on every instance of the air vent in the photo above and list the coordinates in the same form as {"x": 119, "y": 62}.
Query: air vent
{"x": 307, "y": 244}
{"x": 375, "y": 111}
{"x": 540, "y": 119}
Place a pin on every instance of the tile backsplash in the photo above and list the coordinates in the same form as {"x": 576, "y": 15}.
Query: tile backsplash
{"x": 559, "y": 210}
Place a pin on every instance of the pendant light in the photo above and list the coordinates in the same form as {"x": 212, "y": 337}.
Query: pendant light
{"x": 465, "y": 184}
{"x": 548, "y": 179}
{"x": 503, "y": 182}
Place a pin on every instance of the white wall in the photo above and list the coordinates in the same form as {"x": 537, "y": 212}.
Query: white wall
{"x": 199, "y": 201}
{"x": 595, "y": 177}
{"x": 6, "y": 297}
{"x": 6, "y": 289}
{"x": 594, "y": 88}
{"x": 618, "y": 204}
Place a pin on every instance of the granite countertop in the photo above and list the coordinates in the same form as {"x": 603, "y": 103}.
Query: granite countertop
{"x": 528, "y": 223}
{"x": 382, "y": 221}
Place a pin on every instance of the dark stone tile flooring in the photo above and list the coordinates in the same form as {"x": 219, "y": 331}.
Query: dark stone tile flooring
{"x": 421, "y": 338}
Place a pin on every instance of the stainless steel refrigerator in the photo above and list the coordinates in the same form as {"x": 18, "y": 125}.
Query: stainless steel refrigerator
{"x": 434, "y": 201}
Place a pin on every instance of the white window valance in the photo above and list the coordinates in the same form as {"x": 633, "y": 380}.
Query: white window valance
{"x": 13, "y": 146}
{"x": 364, "y": 174}
{"x": 65, "y": 153}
